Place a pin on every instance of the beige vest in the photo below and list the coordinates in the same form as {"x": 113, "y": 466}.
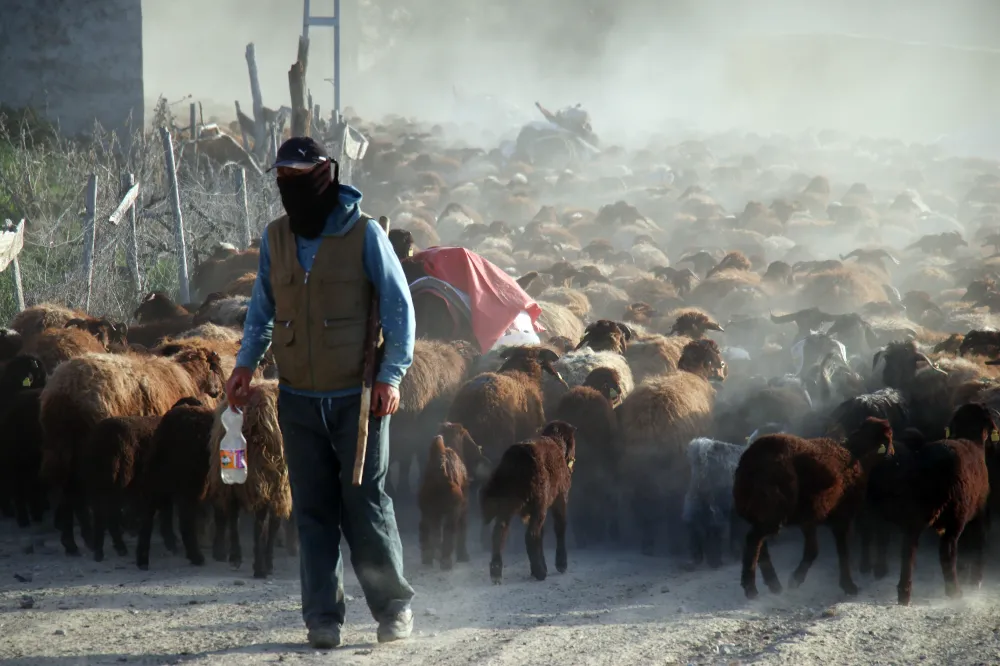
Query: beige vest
{"x": 319, "y": 316}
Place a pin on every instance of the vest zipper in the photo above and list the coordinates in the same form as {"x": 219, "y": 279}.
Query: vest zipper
{"x": 312, "y": 373}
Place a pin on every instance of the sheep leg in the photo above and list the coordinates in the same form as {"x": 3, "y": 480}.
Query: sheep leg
{"x": 881, "y": 569}
{"x": 260, "y": 521}
{"x": 696, "y": 546}
{"x": 975, "y": 539}
{"x": 461, "y": 536}
{"x": 767, "y": 570}
{"x": 908, "y": 558}
{"x": 64, "y": 521}
{"x": 233, "y": 520}
{"x": 101, "y": 506}
{"x": 533, "y": 544}
{"x": 810, "y": 551}
{"x": 948, "y": 554}
{"x": 220, "y": 551}
{"x": 37, "y": 500}
{"x": 450, "y": 526}
{"x": 187, "y": 514}
{"x": 559, "y": 508}
{"x": 273, "y": 527}
{"x": 113, "y": 516}
{"x": 430, "y": 534}
{"x": 147, "y": 515}
{"x": 167, "y": 525}
{"x": 841, "y": 534}
{"x": 500, "y": 530}
{"x": 751, "y": 555}
{"x": 82, "y": 511}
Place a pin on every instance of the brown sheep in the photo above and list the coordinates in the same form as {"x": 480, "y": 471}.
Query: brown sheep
{"x": 734, "y": 260}
{"x": 110, "y": 458}
{"x": 503, "y": 407}
{"x": 693, "y": 324}
{"x": 943, "y": 485}
{"x": 158, "y": 317}
{"x": 241, "y": 286}
{"x": 84, "y": 390}
{"x": 590, "y": 408}
{"x": 217, "y": 272}
{"x": 266, "y": 494}
{"x": 175, "y": 472}
{"x": 157, "y": 306}
{"x": 34, "y": 320}
{"x": 437, "y": 372}
{"x": 656, "y": 421}
{"x": 56, "y": 345}
{"x": 786, "y": 480}
{"x": 607, "y": 335}
{"x": 532, "y": 477}
{"x": 443, "y": 496}
{"x": 222, "y": 311}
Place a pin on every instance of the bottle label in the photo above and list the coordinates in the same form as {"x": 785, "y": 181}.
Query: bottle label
{"x": 232, "y": 459}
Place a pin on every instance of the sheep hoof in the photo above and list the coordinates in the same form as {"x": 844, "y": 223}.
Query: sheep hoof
{"x": 775, "y": 587}
{"x": 865, "y": 566}
{"x": 689, "y": 566}
{"x": 496, "y": 572}
{"x": 497, "y": 581}
{"x": 794, "y": 582}
{"x": 849, "y": 588}
{"x": 751, "y": 592}
{"x": 121, "y": 549}
{"x": 446, "y": 565}
{"x": 427, "y": 561}
{"x": 98, "y": 555}
{"x": 903, "y": 597}
{"x": 260, "y": 575}
{"x": 953, "y": 591}
{"x": 462, "y": 557}
{"x": 143, "y": 566}
{"x": 197, "y": 559}
{"x": 561, "y": 568}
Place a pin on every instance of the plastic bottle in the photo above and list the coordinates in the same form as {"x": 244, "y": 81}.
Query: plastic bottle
{"x": 233, "y": 448}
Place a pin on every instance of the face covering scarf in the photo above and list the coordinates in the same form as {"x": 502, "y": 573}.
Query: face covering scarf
{"x": 306, "y": 201}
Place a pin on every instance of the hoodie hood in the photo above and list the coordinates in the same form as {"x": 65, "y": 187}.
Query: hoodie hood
{"x": 345, "y": 214}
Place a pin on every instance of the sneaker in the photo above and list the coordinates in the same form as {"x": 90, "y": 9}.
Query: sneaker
{"x": 324, "y": 638}
{"x": 395, "y": 627}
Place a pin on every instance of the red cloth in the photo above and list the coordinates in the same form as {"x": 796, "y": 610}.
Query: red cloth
{"x": 495, "y": 298}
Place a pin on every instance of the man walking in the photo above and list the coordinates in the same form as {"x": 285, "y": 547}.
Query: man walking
{"x": 319, "y": 266}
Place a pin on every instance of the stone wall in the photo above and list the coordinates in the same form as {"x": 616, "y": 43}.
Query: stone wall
{"x": 76, "y": 61}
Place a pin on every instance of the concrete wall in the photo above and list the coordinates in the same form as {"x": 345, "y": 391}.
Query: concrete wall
{"x": 76, "y": 61}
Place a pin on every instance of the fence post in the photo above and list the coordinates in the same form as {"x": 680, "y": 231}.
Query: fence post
{"x": 194, "y": 122}
{"x": 258, "y": 102}
{"x": 90, "y": 236}
{"x": 16, "y": 271}
{"x": 132, "y": 248}
{"x": 241, "y": 200}
{"x": 175, "y": 202}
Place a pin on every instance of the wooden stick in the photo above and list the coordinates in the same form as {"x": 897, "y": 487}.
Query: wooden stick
{"x": 372, "y": 332}
{"x": 175, "y": 204}
{"x": 90, "y": 236}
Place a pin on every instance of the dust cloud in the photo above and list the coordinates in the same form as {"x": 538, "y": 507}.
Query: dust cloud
{"x": 880, "y": 67}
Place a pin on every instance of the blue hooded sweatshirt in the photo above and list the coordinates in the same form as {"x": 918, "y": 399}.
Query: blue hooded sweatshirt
{"x": 382, "y": 269}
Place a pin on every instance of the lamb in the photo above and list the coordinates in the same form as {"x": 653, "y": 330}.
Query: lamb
{"x": 108, "y": 463}
{"x": 607, "y": 335}
{"x": 574, "y": 367}
{"x": 943, "y": 485}
{"x": 443, "y": 498}
{"x": 266, "y": 493}
{"x": 175, "y": 473}
{"x": 590, "y": 409}
{"x": 693, "y": 324}
{"x": 786, "y": 480}
{"x": 657, "y": 421}
{"x": 56, "y": 345}
{"x": 532, "y": 477}
{"x": 21, "y": 387}
{"x": 158, "y": 317}
{"x": 32, "y": 321}
{"x": 84, "y": 390}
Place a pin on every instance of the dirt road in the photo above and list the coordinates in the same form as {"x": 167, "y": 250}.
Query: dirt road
{"x": 611, "y": 607}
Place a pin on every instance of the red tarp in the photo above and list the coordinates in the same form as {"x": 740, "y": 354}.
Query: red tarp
{"x": 495, "y": 298}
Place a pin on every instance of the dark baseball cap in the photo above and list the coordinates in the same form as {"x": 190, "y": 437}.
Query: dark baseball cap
{"x": 300, "y": 152}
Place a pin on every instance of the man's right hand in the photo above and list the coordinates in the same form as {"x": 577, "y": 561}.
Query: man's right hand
{"x": 238, "y": 387}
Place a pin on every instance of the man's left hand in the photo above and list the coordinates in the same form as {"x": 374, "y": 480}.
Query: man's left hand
{"x": 385, "y": 399}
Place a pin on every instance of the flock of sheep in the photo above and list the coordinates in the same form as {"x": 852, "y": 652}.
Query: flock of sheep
{"x": 742, "y": 333}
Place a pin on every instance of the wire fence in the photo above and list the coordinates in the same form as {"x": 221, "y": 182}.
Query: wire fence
{"x": 43, "y": 180}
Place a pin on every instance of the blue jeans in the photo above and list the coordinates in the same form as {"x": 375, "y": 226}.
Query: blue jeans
{"x": 320, "y": 437}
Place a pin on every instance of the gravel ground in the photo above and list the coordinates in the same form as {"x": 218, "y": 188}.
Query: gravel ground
{"x": 611, "y": 607}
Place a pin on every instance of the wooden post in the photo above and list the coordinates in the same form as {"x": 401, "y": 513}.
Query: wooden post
{"x": 16, "y": 271}
{"x": 243, "y": 134}
{"x": 274, "y": 142}
{"x": 258, "y": 103}
{"x": 194, "y": 122}
{"x": 297, "y": 88}
{"x": 132, "y": 247}
{"x": 175, "y": 202}
{"x": 89, "y": 236}
{"x": 241, "y": 200}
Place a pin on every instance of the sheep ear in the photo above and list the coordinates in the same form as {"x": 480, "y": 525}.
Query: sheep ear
{"x": 548, "y": 355}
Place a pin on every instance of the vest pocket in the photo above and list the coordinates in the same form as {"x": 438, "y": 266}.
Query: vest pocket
{"x": 283, "y": 334}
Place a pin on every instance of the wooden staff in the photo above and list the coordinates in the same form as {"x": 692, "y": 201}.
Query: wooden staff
{"x": 372, "y": 333}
